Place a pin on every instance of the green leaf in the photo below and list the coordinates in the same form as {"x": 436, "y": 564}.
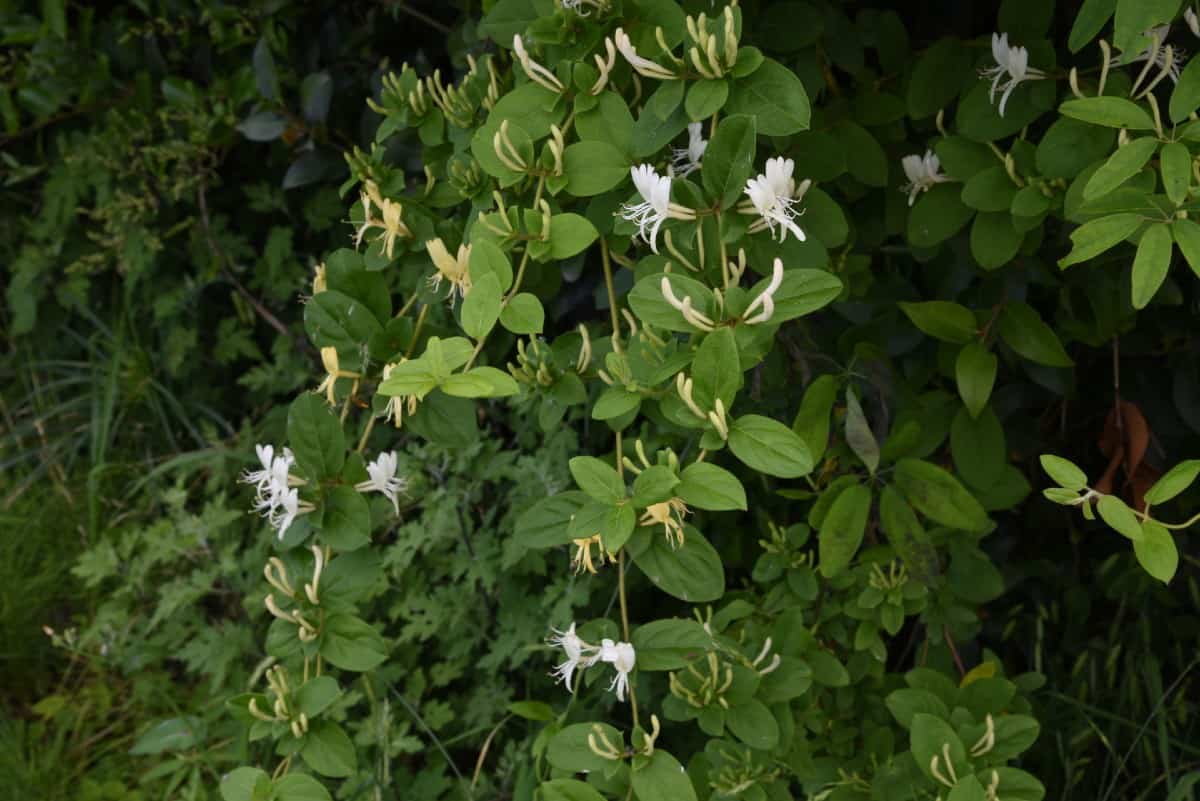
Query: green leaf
{"x": 593, "y": 167}
{"x": 614, "y": 402}
{"x": 345, "y": 519}
{"x": 967, "y": 789}
{"x": 570, "y": 234}
{"x": 989, "y": 190}
{"x": 801, "y": 292}
{"x": 246, "y": 784}
{"x": 653, "y": 485}
{"x": 662, "y": 778}
{"x": 568, "y": 790}
{"x": 939, "y": 495}
{"x": 1096, "y": 236}
{"x": 332, "y": 319}
{"x": 1065, "y": 473}
{"x": 316, "y": 437}
{"x": 1156, "y": 551}
{"x": 647, "y": 301}
{"x": 937, "y": 215}
{"x": 1176, "y": 480}
{"x": 705, "y": 98}
{"x": 977, "y": 445}
{"x": 569, "y": 749}
{"x": 812, "y": 420}
{"x": 843, "y": 528}
{"x": 532, "y": 710}
{"x": 1175, "y": 161}
{"x": 1126, "y": 162}
{"x": 716, "y": 371}
{"x": 1185, "y": 98}
{"x": 975, "y": 373}
{"x": 481, "y": 307}
{"x": 1135, "y": 18}
{"x": 1151, "y": 263}
{"x": 299, "y": 787}
{"x": 523, "y": 314}
{"x": 774, "y": 96}
{"x": 753, "y": 724}
{"x": 328, "y": 750}
{"x": 729, "y": 160}
{"x": 608, "y": 121}
{"x": 316, "y": 694}
{"x": 706, "y": 486}
{"x": 907, "y": 702}
{"x": 1023, "y": 330}
{"x": 769, "y": 447}
{"x": 597, "y": 479}
{"x": 937, "y": 77}
{"x": 859, "y": 436}
{"x": 1187, "y": 235}
{"x": 508, "y": 18}
{"x": 904, "y": 531}
{"x": 351, "y": 644}
{"x": 1090, "y": 20}
{"x": 1069, "y": 146}
{"x": 669, "y": 644}
{"x": 930, "y": 736}
{"x": 662, "y": 119}
{"x": 994, "y": 239}
{"x": 1113, "y": 112}
{"x": 544, "y": 525}
{"x": 173, "y": 734}
{"x": 487, "y": 257}
{"x": 942, "y": 320}
{"x": 1120, "y": 517}
{"x": 692, "y": 572}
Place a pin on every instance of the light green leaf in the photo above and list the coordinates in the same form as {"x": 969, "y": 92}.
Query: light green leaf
{"x": 1113, "y": 112}
{"x": 593, "y": 167}
{"x": 769, "y": 447}
{"x": 316, "y": 437}
{"x": 1156, "y": 552}
{"x": 1175, "y": 161}
{"x": 1175, "y": 481}
{"x": 570, "y": 234}
{"x": 662, "y": 779}
{"x": 523, "y": 314}
{"x": 705, "y": 98}
{"x": 481, "y": 307}
{"x": 1096, "y": 236}
{"x": 1122, "y": 165}
{"x": 351, "y": 644}
{"x": 1120, "y": 517}
{"x": 1064, "y": 472}
{"x": 328, "y": 749}
{"x": 706, "y": 486}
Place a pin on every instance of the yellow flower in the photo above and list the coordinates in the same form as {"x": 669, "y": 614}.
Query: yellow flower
{"x": 398, "y": 405}
{"x": 333, "y": 371}
{"x": 392, "y": 223}
{"x": 451, "y": 268}
{"x": 670, "y": 514}
{"x": 582, "y": 560}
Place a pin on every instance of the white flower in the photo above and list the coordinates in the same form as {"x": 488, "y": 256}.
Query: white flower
{"x": 622, "y": 657}
{"x": 284, "y": 513}
{"x": 1193, "y": 22}
{"x": 686, "y": 160}
{"x": 644, "y": 66}
{"x": 577, "y": 655}
{"x": 261, "y": 479}
{"x": 922, "y": 172}
{"x": 1012, "y": 62}
{"x": 655, "y": 207}
{"x": 383, "y": 479}
{"x": 772, "y": 197}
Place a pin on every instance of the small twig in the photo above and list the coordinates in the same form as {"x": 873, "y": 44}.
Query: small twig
{"x": 421, "y": 15}
{"x": 962, "y": 671}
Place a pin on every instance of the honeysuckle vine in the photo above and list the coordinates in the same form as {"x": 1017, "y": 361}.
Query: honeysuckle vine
{"x": 631, "y": 223}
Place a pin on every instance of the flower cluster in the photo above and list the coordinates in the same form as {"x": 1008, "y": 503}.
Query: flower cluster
{"x": 1012, "y": 68}
{"x": 276, "y": 493}
{"x": 383, "y": 479}
{"x": 922, "y": 173}
{"x": 772, "y": 195}
{"x": 580, "y": 654}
